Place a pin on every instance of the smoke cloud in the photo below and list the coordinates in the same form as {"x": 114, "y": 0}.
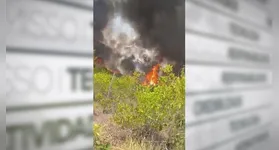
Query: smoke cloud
{"x": 137, "y": 34}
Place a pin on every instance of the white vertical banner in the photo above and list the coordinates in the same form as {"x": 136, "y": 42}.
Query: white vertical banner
{"x": 229, "y": 79}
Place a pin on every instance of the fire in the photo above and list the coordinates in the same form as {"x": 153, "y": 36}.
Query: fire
{"x": 151, "y": 77}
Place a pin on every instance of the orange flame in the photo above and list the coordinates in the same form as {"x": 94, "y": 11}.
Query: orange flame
{"x": 151, "y": 77}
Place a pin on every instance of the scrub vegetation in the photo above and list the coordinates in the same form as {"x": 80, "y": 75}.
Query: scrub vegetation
{"x": 131, "y": 116}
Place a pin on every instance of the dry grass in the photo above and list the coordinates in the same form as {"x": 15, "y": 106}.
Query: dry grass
{"x": 131, "y": 144}
{"x": 111, "y": 133}
{"x": 123, "y": 139}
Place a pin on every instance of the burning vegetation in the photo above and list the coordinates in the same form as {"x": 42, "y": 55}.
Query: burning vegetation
{"x": 132, "y": 111}
{"x": 152, "y": 77}
{"x": 129, "y": 37}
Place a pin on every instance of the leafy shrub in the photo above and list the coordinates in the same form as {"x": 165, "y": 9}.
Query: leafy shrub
{"x": 109, "y": 89}
{"x": 147, "y": 110}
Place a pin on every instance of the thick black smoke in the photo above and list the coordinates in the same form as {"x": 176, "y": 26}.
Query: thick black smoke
{"x": 133, "y": 34}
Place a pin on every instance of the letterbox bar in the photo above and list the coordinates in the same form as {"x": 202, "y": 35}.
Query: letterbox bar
{"x": 204, "y": 21}
{"x": 53, "y": 129}
{"x": 204, "y": 107}
{"x": 212, "y": 78}
{"x": 59, "y": 27}
{"x": 240, "y": 9}
{"x": 47, "y": 79}
{"x": 201, "y": 136}
{"x": 203, "y": 49}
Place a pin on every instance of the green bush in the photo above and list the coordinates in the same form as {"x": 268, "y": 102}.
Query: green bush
{"x": 109, "y": 89}
{"x": 145, "y": 109}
